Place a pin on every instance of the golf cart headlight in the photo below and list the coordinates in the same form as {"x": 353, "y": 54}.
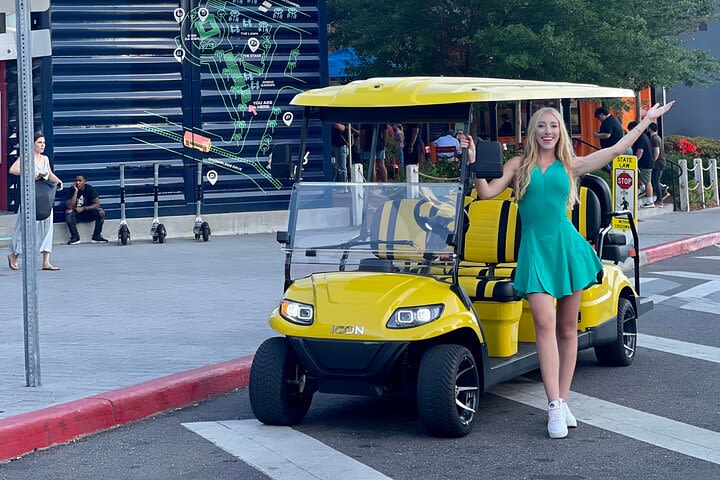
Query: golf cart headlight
{"x": 408, "y": 317}
{"x": 296, "y": 312}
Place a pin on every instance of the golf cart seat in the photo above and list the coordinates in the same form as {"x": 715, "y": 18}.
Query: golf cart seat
{"x": 506, "y": 194}
{"x": 492, "y": 238}
{"x": 614, "y": 244}
{"x": 585, "y": 217}
{"x": 407, "y": 220}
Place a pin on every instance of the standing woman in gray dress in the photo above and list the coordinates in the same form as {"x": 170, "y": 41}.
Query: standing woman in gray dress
{"x": 44, "y": 227}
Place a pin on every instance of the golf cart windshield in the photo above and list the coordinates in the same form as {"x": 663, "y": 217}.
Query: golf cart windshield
{"x": 378, "y": 226}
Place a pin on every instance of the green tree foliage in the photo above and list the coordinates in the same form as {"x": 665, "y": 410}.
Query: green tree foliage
{"x": 623, "y": 43}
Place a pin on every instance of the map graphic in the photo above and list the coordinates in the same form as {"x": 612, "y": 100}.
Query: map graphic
{"x": 247, "y": 53}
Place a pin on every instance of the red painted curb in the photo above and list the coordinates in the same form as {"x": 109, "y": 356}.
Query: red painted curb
{"x": 22, "y": 434}
{"x": 680, "y": 247}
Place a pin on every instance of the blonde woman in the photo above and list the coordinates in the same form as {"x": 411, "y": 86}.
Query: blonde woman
{"x": 44, "y": 227}
{"x": 554, "y": 261}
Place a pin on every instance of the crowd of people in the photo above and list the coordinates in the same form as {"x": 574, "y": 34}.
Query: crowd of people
{"x": 410, "y": 144}
{"x": 649, "y": 150}
{"x": 396, "y": 145}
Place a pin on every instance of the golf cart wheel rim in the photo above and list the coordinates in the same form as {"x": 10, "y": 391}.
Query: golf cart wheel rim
{"x": 629, "y": 332}
{"x": 467, "y": 389}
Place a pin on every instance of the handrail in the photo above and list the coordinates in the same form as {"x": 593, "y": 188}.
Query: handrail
{"x": 585, "y": 143}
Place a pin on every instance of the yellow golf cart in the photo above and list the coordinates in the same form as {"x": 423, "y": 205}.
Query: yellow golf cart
{"x": 408, "y": 287}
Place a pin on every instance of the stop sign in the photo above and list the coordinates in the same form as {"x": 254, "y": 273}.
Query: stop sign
{"x": 624, "y": 180}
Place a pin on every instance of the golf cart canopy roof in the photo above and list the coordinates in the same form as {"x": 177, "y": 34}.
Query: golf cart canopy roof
{"x": 417, "y": 91}
{"x": 409, "y": 99}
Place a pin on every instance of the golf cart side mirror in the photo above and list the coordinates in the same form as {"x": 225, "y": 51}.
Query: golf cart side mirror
{"x": 282, "y": 237}
{"x": 488, "y": 160}
{"x": 280, "y": 166}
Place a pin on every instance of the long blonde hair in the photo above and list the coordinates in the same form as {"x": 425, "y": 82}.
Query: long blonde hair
{"x": 531, "y": 157}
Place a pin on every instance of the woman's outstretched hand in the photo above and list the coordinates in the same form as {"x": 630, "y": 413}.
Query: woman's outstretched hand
{"x": 657, "y": 111}
{"x": 466, "y": 141}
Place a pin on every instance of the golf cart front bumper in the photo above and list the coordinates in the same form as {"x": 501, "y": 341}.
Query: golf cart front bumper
{"x": 348, "y": 367}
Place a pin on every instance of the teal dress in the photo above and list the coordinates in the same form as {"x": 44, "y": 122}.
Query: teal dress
{"x": 553, "y": 257}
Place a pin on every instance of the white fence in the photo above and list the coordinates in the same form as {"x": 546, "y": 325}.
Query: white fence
{"x": 697, "y": 174}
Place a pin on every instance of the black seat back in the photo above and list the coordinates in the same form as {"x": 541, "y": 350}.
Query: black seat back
{"x": 603, "y": 194}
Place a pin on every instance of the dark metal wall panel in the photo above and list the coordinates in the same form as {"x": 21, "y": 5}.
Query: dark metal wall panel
{"x": 253, "y": 57}
{"x": 12, "y": 151}
{"x": 114, "y": 73}
{"x": 130, "y": 81}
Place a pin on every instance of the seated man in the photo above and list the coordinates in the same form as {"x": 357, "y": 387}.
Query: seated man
{"x": 448, "y": 140}
{"x": 84, "y": 206}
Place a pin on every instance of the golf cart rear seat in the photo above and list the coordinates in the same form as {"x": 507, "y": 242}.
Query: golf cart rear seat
{"x": 397, "y": 221}
{"x": 497, "y": 226}
{"x": 492, "y": 238}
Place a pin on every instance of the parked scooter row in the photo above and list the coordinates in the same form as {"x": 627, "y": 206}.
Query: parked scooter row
{"x": 158, "y": 232}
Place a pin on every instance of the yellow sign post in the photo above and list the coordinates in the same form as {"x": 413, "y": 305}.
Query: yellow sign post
{"x": 624, "y": 188}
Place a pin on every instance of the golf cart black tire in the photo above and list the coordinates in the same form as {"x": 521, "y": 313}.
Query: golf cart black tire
{"x": 161, "y": 233}
{"x": 124, "y": 236}
{"x": 615, "y": 354}
{"x": 205, "y": 231}
{"x": 271, "y": 400}
{"x": 436, "y": 391}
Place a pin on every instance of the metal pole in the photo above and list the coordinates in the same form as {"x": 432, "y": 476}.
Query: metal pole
{"x": 714, "y": 181}
{"x": 698, "y": 174}
{"x": 684, "y": 186}
{"x": 27, "y": 177}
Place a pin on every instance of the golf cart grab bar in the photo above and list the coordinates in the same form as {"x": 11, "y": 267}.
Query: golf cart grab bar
{"x": 636, "y": 243}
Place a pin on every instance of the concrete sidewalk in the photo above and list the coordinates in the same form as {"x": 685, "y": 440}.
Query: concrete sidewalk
{"x": 114, "y": 317}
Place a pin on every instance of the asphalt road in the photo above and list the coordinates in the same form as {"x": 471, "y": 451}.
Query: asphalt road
{"x": 509, "y": 439}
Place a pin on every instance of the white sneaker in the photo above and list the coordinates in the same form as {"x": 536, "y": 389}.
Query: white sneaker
{"x": 570, "y": 419}
{"x": 557, "y": 428}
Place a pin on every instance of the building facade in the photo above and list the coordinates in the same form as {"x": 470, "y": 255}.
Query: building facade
{"x": 188, "y": 84}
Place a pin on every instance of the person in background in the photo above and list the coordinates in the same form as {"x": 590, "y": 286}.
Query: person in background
{"x": 84, "y": 206}
{"x": 643, "y": 151}
{"x": 44, "y": 227}
{"x": 610, "y": 129}
{"x": 340, "y": 151}
{"x": 506, "y": 129}
{"x": 366, "y": 133}
{"x": 658, "y": 149}
{"x": 399, "y": 137}
{"x": 610, "y": 132}
{"x": 411, "y": 144}
{"x": 448, "y": 140}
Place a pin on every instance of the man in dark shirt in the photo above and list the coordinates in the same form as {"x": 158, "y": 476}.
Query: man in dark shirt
{"x": 643, "y": 151}
{"x": 411, "y": 147}
{"x": 610, "y": 129}
{"x": 84, "y": 206}
{"x": 658, "y": 149}
{"x": 506, "y": 129}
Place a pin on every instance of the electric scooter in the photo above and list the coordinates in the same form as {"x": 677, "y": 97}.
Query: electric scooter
{"x": 200, "y": 228}
{"x": 124, "y": 230}
{"x": 157, "y": 229}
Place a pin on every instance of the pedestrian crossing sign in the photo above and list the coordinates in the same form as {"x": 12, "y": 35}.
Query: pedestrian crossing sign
{"x": 624, "y": 188}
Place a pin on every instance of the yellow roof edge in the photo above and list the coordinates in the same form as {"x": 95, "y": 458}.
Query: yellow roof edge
{"x": 418, "y": 91}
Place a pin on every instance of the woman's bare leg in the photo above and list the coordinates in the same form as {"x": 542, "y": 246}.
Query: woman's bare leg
{"x": 567, "y": 340}
{"x": 543, "y": 310}
{"x": 46, "y": 260}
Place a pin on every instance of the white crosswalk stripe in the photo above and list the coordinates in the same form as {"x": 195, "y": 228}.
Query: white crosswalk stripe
{"x": 282, "y": 453}
{"x": 653, "y": 429}
{"x": 686, "y": 349}
{"x": 695, "y": 298}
